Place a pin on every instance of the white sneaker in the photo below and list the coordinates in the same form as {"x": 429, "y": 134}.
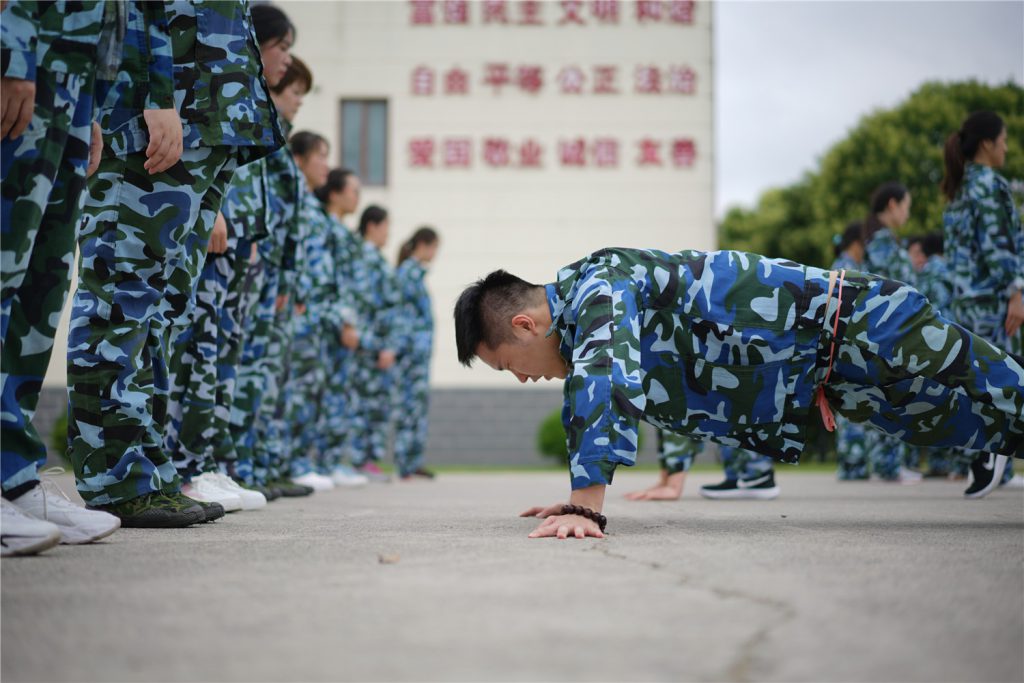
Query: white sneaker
{"x": 251, "y": 500}
{"x": 76, "y": 523}
{"x": 909, "y": 477}
{"x": 22, "y": 534}
{"x": 318, "y": 481}
{"x": 1016, "y": 482}
{"x": 205, "y": 489}
{"x": 347, "y": 476}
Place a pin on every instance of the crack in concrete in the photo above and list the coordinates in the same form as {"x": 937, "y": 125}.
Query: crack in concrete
{"x": 740, "y": 669}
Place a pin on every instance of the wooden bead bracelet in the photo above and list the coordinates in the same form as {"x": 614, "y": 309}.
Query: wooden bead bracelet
{"x": 581, "y": 511}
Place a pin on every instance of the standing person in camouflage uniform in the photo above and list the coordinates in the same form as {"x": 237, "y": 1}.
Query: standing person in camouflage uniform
{"x": 851, "y": 438}
{"x": 143, "y": 246}
{"x": 735, "y": 348}
{"x": 377, "y": 300}
{"x": 340, "y": 197}
{"x": 49, "y": 59}
{"x": 984, "y": 241}
{"x": 205, "y": 353}
{"x": 884, "y": 256}
{"x": 258, "y": 420}
{"x": 415, "y": 320}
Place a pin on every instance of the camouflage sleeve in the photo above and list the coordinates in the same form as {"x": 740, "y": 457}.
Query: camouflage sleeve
{"x": 1001, "y": 239}
{"x": 161, "y": 57}
{"x": 19, "y": 27}
{"x": 885, "y": 257}
{"x": 347, "y": 270}
{"x": 604, "y": 398}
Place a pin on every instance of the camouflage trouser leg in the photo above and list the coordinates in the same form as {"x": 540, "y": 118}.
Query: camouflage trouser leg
{"x": 913, "y": 374}
{"x": 372, "y": 408}
{"x": 242, "y": 281}
{"x": 335, "y": 417}
{"x": 273, "y": 431}
{"x": 307, "y": 387}
{"x": 887, "y": 454}
{"x": 192, "y": 371}
{"x": 141, "y": 252}
{"x": 851, "y": 449}
{"x": 676, "y": 452}
{"x": 410, "y": 412}
{"x": 740, "y": 463}
{"x": 252, "y": 381}
{"x": 43, "y": 178}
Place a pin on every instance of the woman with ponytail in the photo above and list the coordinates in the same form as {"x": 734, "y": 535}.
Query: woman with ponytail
{"x": 984, "y": 242}
{"x": 416, "y": 323}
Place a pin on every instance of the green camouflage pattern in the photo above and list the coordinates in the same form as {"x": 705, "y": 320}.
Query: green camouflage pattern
{"x": 415, "y": 322}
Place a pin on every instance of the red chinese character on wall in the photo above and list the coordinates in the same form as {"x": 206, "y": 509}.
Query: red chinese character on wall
{"x": 530, "y": 153}
{"x": 606, "y": 11}
{"x": 456, "y": 12}
{"x": 571, "y": 12}
{"x": 529, "y": 13}
{"x": 496, "y": 151}
{"x": 422, "y": 12}
{"x": 648, "y": 10}
{"x": 606, "y": 152}
{"x": 604, "y": 80}
{"x": 570, "y": 79}
{"x": 421, "y": 152}
{"x": 423, "y": 81}
{"x": 497, "y": 76}
{"x": 495, "y": 12}
{"x": 458, "y": 152}
{"x": 680, "y": 11}
{"x": 650, "y": 152}
{"x": 573, "y": 152}
{"x": 684, "y": 152}
{"x": 456, "y": 82}
{"x": 682, "y": 79}
{"x": 530, "y": 78}
{"x": 648, "y": 79}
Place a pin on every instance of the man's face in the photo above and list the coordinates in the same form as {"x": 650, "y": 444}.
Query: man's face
{"x": 530, "y": 356}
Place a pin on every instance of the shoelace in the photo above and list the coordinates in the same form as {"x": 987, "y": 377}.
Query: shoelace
{"x": 48, "y": 485}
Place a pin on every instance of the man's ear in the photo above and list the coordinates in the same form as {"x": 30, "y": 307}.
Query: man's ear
{"x": 524, "y": 322}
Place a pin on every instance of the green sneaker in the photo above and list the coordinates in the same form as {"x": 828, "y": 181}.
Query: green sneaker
{"x": 289, "y": 489}
{"x": 211, "y": 511}
{"x": 156, "y": 511}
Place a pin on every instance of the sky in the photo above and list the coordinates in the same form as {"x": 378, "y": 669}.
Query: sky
{"x": 793, "y": 77}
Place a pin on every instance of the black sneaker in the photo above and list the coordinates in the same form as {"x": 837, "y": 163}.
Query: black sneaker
{"x": 269, "y": 492}
{"x": 291, "y": 490}
{"x": 986, "y": 472}
{"x": 211, "y": 510}
{"x": 760, "y": 488}
{"x": 156, "y": 511}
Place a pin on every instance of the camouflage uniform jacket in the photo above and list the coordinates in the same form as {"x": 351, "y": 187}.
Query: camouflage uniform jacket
{"x": 936, "y": 283}
{"x": 217, "y": 85}
{"x": 284, "y": 188}
{"x": 349, "y": 270}
{"x": 415, "y": 317}
{"x": 885, "y": 256}
{"x": 984, "y": 242}
{"x": 713, "y": 345}
{"x": 376, "y": 300}
{"x": 845, "y": 262}
{"x": 315, "y": 282}
{"x": 60, "y": 37}
{"x": 245, "y": 204}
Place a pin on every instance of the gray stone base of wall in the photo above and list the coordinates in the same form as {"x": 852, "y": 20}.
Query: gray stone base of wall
{"x": 467, "y": 426}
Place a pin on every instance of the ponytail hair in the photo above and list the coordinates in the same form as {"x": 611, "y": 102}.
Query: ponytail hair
{"x": 372, "y": 215}
{"x": 880, "y": 198}
{"x": 962, "y": 145}
{"x": 424, "y": 235}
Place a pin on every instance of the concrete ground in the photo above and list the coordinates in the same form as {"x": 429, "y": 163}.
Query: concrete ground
{"x": 831, "y": 582}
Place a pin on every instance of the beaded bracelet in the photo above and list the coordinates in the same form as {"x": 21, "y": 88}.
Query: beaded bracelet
{"x": 601, "y": 520}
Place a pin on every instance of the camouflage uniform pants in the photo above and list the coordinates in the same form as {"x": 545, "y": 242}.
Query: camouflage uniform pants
{"x": 336, "y": 417}
{"x": 676, "y": 453}
{"x": 887, "y": 454}
{"x": 913, "y": 374}
{"x": 141, "y": 252}
{"x": 306, "y": 393}
{"x": 370, "y": 398}
{"x": 412, "y": 401}
{"x": 851, "y": 449}
{"x": 43, "y": 178}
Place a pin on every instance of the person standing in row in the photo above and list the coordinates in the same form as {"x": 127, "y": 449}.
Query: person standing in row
{"x": 984, "y": 244}
{"x": 377, "y": 300}
{"x": 416, "y": 321}
{"x": 143, "y": 246}
{"x": 51, "y": 54}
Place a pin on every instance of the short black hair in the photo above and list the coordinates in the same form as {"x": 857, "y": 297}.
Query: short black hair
{"x": 484, "y": 310}
{"x": 850, "y": 236}
{"x": 270, "y": 23}
{"x": 931, "y": 244}
{"x": 372, "y": 215}
{"x": 305, "y": 142}
{"x": 337, "y": 178}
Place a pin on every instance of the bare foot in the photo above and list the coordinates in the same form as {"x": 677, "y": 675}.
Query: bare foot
{"x": 656, "y": 493}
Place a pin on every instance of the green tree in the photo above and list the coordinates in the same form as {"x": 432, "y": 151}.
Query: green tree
{"x": 904, "y": 143}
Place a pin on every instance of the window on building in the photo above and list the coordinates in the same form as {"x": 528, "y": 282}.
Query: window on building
{"x": 364, "y": 139}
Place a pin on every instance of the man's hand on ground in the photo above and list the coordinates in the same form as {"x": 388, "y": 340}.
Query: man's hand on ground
{"x": 16, "y": 106}
{"x": 539, "y": 511}
{"x": 165, "y": 139}
{"x": 564, "y": 526}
